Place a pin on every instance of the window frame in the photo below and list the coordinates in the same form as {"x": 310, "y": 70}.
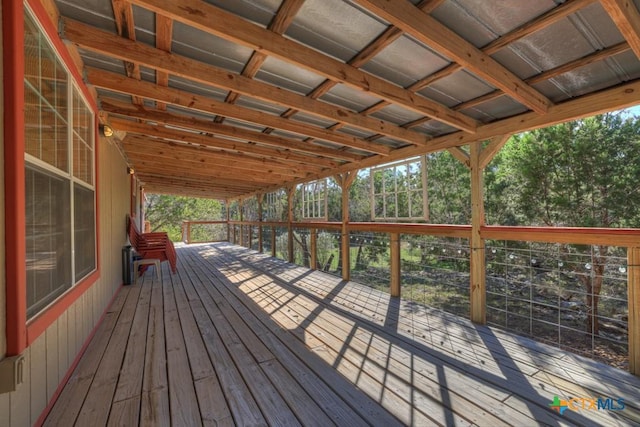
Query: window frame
{"x": 20, "y": 332}
{"x": 409, "y": 192}
{"x": 314, "y": 200}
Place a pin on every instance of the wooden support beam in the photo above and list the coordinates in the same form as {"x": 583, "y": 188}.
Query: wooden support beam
{"x": 460, "y": 155}
{"x": 260, "y": 197}
{"x": 626, "y": 16}
{"x": 164, "y": 35}
{"x": 281, "y": 156}
{"x": 477, "y": 280}
{"x": 633, "y": 301}
{"x": 273, "y": 241}
{"x": 230, "y": 27}
{"x": 116, "y": 107}
{"x": 122, "y": 84}
{"x": 241, "y": 218}
{"x": 291, "y": 191}
{"x": 344, "y": 181}
{"x": 491, "y": 149}
{"x": 226, "y": 207}
{"x": 108, "y": 44}
{"x": 428, "y": 30}
{"x": 396, "y": 273}
{"x": 313, "y": 263}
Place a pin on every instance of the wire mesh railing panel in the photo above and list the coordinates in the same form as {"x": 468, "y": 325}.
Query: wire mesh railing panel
{"x": 574, "y": 297}
{"x": 255, "y": 240}
{"x": 302, "y": 247}
{"x": 328, "y": 252}
{"x": 246, "y": 235}
{"x": 235, "y": 235}
{"x": 266, "y": 240}
{"x": 282, "y": 243}
{"x": 435, "y": 272}
{"x": 370, "y": 259}
{"x": 203, "y": 232}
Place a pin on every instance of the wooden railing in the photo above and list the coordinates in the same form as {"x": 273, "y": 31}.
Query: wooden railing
{"x": 624, "y": 238}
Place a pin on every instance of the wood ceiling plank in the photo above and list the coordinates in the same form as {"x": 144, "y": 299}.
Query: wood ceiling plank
{"x": 626, "y": 16}
{"x": 122, "y": 84}
{"x": 109, "y": 44}
{"x": 213, "y": 20}
{"x": 434, "y": 34}
{"x": 125, "y": 109}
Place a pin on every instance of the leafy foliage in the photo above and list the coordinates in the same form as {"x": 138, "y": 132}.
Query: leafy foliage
{"x": 166, "y": 213}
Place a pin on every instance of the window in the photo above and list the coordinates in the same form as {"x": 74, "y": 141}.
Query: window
{"x": 274, "y": 206}
{"x": 59, "y": 175}
{"x": 398, "y": 190}
{"x": 314, "y": 200}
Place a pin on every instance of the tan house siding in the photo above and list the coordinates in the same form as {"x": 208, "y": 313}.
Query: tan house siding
{"x": 49, "y": 357}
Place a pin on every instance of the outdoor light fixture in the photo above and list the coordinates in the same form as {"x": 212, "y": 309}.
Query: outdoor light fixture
{"x": 130, "y": 171}
{"x": 106, "y": 130}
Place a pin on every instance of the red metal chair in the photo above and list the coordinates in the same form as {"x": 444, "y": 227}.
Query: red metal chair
{"x": 152, "y": 245}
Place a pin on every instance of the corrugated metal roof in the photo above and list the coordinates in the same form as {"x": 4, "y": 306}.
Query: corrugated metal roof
{"x": 405, "y": 90}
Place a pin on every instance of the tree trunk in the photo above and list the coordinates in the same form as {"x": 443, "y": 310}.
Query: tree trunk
{"x": 593, "y": 285}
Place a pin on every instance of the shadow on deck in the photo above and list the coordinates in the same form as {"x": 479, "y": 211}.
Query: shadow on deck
{"x": 239, "y": 338}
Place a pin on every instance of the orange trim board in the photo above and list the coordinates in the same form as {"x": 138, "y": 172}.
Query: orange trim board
{"x": 18, "y": 334}
{"x": 14, "y": 178}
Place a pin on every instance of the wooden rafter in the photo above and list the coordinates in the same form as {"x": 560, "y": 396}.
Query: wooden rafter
{"x": 626, "y": 16}
{"x": 279, "y": 24}
{"x": 123, "y": 84}
{"x": 431, "y": 32}
{"x": 123, "y": 14}
{"x": 112, "y": 45}
{"x": 164, "y": 34}
{"x": 230, "y": 27}
{"x": 385, "y": 39}
{"x": 157, "y": 149}
{"x": 278, "y": 155}
{"x": 129, "y": 110}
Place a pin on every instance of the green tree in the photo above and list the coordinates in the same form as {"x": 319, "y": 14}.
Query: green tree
{"x": 583, "y": 173}
{"x": 166, "y": 212}
{"x": 449, "y": 189}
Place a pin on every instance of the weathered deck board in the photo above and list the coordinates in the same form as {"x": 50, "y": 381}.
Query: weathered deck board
{"x": 238, "y": 338}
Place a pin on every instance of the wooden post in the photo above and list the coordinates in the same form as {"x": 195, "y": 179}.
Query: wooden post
{"x": 260, "y": 198}
{"x": 226, "y": 203}
{"x": 313, "y": 263}
{"x": 478, "y": 268}
{"x": 188, "y": 232}
{"x": 344, "y": 181}
{"x": 633, "y": 293}
{"x": 395, "y": 265}
{"x": 241, "y": 219}
{"x": 273, "y": 241}
{"x": 290, "y": 193}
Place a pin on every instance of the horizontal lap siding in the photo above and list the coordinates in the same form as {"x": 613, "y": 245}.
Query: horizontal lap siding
{"x": 49, "y": 357}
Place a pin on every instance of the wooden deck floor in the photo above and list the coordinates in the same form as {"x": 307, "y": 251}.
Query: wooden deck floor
{"x": 238, "y": 338}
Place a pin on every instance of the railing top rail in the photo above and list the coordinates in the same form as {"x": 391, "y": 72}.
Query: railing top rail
{"x": 443, "y": 230}
{"x": 629, "y": 237}
{"x": 205, "y": 222}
